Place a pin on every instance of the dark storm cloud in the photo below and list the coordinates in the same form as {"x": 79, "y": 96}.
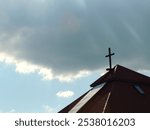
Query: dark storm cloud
{"x": 72, "y": 35}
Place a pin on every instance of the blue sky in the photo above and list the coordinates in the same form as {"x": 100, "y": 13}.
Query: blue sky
{"x": 52, "y": 50}
{"x": 29, "y": 93}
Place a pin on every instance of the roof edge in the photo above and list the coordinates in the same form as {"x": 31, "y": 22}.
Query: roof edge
{"x": 123, "y": 74}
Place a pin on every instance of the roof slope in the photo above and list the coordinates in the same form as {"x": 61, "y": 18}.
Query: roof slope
{"x": 120, "y": 73}
{"x": 119, "y": 90}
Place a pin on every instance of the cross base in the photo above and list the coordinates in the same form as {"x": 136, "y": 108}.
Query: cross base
{"x": 108, "y": 69}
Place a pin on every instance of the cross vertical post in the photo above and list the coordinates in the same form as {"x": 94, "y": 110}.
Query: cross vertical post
{"x": 110, "y": 62}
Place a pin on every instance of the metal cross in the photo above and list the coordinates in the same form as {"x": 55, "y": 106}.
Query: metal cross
{"x": 109, "y": 55}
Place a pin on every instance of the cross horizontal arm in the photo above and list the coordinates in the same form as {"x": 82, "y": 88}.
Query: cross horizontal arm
{"x": 110, "y": 55}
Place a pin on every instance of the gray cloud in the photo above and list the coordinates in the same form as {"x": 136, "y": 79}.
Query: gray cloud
{"x": 69, "y": 36}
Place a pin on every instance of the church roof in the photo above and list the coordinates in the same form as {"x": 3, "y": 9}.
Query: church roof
{"x": 120, "y": 73}
{"x": 119, "y": 90}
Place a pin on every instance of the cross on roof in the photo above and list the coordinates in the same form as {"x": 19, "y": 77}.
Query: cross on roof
{"x": 109, "y": 55}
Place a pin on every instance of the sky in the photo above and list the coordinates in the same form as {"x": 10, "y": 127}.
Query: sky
{"x": 52, "y": 50}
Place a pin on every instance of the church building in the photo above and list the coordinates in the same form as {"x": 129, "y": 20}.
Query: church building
{"x": 120, "y": 90}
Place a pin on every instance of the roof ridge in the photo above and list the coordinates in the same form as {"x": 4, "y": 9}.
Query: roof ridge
{"x": 121, "y": 73}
